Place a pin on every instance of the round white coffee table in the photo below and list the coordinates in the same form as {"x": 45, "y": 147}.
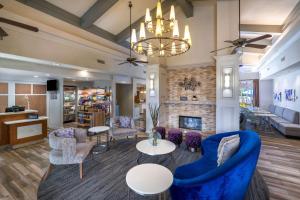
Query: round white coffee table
{"x": 149, "y": 179}
{"x": 163, "y": 147}
{"x": 98, "y": 131}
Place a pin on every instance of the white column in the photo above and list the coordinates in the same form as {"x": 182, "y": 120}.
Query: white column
{"x": 55, "y": 103}
{"x": 158, "y": 95}
{"x": 228, "y": 109}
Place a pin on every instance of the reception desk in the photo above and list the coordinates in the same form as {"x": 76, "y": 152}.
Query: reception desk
{"x": 16, "y": 128}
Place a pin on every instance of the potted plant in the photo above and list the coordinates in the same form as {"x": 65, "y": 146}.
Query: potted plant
{"x": 154, "y": 113}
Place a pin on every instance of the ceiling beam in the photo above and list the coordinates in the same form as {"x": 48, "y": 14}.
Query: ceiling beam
{"x": 261, "y": 28}
{"x": 186, "y": 7}
{"x": 65, "y": 16}
{"x": 294, "y": 14}
{"x": 124, "y": 35}
{"x": 95, "y": 12}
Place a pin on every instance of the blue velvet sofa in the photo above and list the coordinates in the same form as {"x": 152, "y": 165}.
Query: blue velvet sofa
{"x": 203, "y": 179}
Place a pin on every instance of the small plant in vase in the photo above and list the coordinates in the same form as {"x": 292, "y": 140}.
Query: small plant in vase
{"x": 154, "y": 113}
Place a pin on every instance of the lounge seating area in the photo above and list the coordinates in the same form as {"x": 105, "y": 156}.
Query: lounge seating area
{"x": 149, "y": 99}
{"x": 286, "y": 120}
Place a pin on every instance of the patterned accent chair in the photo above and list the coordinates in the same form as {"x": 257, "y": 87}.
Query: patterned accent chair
{"x": 69, "y": 146}
{"x": 122, "y": 127}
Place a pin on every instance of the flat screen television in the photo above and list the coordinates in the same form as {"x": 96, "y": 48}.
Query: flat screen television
{"x": 52, "y": 85}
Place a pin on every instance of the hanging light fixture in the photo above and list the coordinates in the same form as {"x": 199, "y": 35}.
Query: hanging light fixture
{"x": 164, "y": 38}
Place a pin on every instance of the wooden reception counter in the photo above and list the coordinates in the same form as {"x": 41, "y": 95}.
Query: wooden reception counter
{"x": 16, "y": 128}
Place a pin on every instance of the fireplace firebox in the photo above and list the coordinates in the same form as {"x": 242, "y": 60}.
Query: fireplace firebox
{"x": 190, "y": 122}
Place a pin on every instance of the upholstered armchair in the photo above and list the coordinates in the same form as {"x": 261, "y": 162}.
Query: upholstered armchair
{"x": 69, "y": 146}
{"x": 122, "y": 127}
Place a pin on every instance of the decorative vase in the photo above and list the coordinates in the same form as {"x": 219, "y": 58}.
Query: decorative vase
{"x": 155, "y": 137}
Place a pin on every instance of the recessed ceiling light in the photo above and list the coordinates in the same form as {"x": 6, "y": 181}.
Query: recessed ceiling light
{"x": 35, "y": 76}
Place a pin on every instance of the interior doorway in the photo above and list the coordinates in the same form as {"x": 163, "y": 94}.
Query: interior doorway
{"x": 124, "y": 99}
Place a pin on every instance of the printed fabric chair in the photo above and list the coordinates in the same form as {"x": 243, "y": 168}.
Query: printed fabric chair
{"x": 69, "y": 146}
{"x": 122, "y": 127}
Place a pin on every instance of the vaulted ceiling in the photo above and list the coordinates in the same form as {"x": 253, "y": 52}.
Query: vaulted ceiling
{"x": 109, "y": 19}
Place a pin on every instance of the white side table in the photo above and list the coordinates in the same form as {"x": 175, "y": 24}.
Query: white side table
{"x": 149, "y": 179}
{"x": 163, "y": 147}
{"x": 98, "y": 131}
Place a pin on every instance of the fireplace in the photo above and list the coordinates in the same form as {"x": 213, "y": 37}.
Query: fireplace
{"x": 189, "y": 122}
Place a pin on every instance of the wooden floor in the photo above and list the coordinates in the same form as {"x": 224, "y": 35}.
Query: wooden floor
{"x": 279, "y": 163}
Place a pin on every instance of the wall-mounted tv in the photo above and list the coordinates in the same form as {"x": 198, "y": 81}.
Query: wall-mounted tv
{"x": 52, "y": 85}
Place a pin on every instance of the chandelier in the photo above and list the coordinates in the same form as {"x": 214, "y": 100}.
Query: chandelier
{"x": 164, "y": 39}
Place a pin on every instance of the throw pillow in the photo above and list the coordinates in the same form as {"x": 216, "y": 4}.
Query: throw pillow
{"x": 225, "y": 139}
{"x": 80, "y": 135}
{"x": 228, "y": 149}
{"x": 65, "y": 132}
{"x": 125, "y": 122}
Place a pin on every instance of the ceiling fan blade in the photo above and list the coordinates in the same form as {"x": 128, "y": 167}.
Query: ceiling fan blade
{"x": 257, "y": 46}
{"x": 234, "y": 51}
{"x": 2, "y": 33}
{"x": 259, "y": 38}
{"x": 221, "y": 49}
{"x": 18, "y": 24}
{"x": 134, "y": 64}
{"x": 123, "y": 63}
{"x": 229, "y": 41}
{"x": 140, "y": 61}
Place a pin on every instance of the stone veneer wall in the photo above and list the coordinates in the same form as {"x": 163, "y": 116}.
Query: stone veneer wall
{"x": 206, "y": 93}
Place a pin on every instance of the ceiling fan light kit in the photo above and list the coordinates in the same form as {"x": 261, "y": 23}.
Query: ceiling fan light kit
{"x": 164, "y": 38}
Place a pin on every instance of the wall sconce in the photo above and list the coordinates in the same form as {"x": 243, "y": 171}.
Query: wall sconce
{"x": 227, "y": 82}
{"x": 151, "y": 85}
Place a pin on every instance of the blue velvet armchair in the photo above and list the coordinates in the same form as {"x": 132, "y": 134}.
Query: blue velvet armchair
{"x": 203, "y": 179}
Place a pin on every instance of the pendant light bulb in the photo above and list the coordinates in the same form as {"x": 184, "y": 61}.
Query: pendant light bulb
{"x": 158, "y": 30}
{"x": 175, "y": 29}
{"x": 158, "y": 10}
{"x": 148, "y": 16}
{"x": 173, "y": 49}
{"x": 133, "y": 37}
{"x": 187, "y": 35}
{"x": 172, "y": 13}
{"x": 140, "y": 48}
{"x": 142, "y": 31}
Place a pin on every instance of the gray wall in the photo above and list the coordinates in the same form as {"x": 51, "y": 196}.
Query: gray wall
{"x": 124, "y": 98}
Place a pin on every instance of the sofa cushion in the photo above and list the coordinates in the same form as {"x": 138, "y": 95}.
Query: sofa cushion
{"x": 289, "y": 129}
{"x": 228, "y": 149}
{"x": 279, "y": 111}
{"x": 65, "y": 132}
{"x": 278, "y": 120}
{"x": 291, "y": 116}
{"x": 272, "y": 108}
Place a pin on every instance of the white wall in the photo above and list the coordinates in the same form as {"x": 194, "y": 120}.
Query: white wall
{"x": 265, "y": 93}
{"x": 288, "y": 81}
{"x": 203, "y": 33}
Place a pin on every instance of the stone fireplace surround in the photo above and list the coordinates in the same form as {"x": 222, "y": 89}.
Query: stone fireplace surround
{"x": 204, "y": 107}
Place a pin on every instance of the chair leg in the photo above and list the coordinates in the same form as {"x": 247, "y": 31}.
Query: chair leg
{"x": 80, "y": 170}
{"x": 47, "y": 172}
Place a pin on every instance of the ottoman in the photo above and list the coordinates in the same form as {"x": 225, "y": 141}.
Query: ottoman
{"x": 162, "y": 131}
{"x": 193, "y": 140}
{"x": 175, "y": 136}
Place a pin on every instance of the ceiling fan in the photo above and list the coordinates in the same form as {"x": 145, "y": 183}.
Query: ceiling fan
{"x": 131, "y": 60}
{"x": 14, "y": 23}
{"x": 243, "y": 42}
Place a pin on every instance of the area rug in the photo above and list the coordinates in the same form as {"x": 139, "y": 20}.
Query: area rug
{"x": 104, "y": 175}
